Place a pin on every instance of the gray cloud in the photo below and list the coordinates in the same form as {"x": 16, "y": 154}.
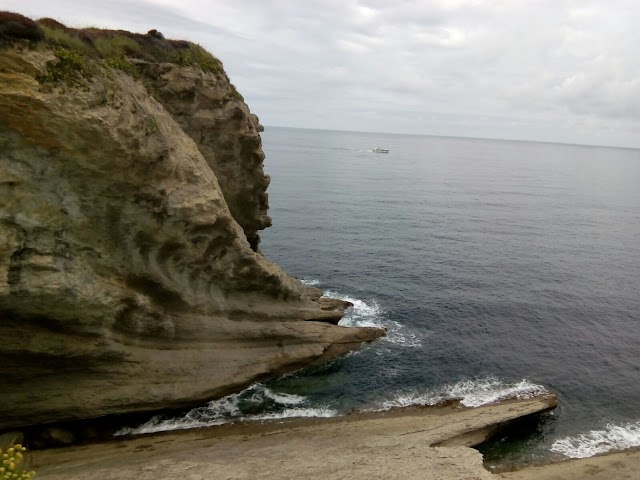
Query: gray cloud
{"x": 554, "y": 70}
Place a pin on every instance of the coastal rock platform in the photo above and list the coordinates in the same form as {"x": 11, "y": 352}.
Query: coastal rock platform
{"x": 425, "y": 442}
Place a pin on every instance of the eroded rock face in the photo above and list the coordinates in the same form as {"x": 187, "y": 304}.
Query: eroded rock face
{"x": 209, "y": 110}
{"x": 126, "y": 283}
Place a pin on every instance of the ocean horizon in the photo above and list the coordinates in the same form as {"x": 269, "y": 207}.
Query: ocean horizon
{"x": 433, "y": 135}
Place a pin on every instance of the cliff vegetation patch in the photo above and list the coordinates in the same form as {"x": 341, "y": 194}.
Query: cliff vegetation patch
{"x": 14, "y": 26}
{"x": 79, "y": 51}
{"x": 69, "y": 67}
{"x": 195, "y": 55}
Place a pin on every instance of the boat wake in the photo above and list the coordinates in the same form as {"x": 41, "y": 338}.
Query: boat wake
{"x": 612, "y": 437}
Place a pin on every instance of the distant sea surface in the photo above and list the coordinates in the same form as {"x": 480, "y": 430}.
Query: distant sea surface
{"x": 500, "y": 268}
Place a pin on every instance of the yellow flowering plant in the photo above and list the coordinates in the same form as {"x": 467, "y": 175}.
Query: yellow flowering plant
{"x": 10, "y": 464}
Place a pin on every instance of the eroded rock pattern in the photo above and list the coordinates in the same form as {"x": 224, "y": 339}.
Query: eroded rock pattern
{"x": 127, "y": 282}
{"x": 209, "y": 110}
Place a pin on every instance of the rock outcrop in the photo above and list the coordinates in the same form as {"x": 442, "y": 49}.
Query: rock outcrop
{"x": 130, "y": 200}
{"x": 209, "y": 109}
{"x": 398, "y": 444}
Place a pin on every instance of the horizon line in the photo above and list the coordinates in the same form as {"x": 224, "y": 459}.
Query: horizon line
{"x": 569, "y": 144}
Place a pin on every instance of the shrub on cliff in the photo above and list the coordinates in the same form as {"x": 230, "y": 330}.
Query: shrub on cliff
{"x": 194, "y": 54}
{"x": 80, "y": 51}
{"x": 109, "y": 44}
{"x": 65, "y": 38}
{"x": 122, "y": 63}
{"x": 116, "y": 46}
{"x": 14, "y": 26}
{"x": 10, "y": 465}
{"x": 51, "y": 23}
{"x": 69, "y": 67}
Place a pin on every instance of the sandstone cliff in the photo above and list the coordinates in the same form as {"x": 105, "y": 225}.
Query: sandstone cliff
{"x": 131, "y": 194}
{"x": 209, "y": 110}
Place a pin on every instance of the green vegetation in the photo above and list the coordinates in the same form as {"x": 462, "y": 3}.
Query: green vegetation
{"x": 151, "y": 126}
{"x": 11, "y": 468}
{"x": 236, "y": 94}
{"x": 124, "y": 64}
{"x": 15, "y": 26}
{"x": 70, "y": 67}
{"x": 61, "y": 38}
{"x": 116, "y": 46}
{"x": 195, "y": 55}
{"x": 79, "y": 52}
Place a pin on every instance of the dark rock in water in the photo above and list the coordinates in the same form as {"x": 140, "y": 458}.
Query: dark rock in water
{"x": 128, "y": 281}
{"x": 334, "y": 304}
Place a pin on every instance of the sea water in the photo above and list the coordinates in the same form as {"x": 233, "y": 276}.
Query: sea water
{"x": 500, "y": 269}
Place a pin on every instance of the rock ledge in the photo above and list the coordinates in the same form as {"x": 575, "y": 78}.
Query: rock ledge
{"x": 397, "y": 444}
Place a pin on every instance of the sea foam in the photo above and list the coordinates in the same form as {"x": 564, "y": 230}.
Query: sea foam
{"x": 370, "y": 314}
{"x": 229, "y": 409}
{"x": 472, "y": 393}
{"x": 612, "y": 437}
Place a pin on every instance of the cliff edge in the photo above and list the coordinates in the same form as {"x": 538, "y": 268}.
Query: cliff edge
{"x": 131, "y": 196}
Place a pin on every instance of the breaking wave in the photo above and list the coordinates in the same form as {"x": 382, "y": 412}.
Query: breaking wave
{"x": 612, "y": 437}
{"x": 258, "y": 402}
{"x": 370, "y": 314}
{"x": 472, "y": 393}
{"x": 236, "y": 407}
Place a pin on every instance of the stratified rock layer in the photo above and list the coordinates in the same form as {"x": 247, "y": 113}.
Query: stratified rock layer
{"x": 126, "y": 283}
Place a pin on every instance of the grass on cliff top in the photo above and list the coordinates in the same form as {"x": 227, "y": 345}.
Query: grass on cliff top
{"x": 78, "y": 50}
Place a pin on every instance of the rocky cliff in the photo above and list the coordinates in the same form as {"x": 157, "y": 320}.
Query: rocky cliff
{"x": 131, "y": 194}
{"x": 210, "y": 111}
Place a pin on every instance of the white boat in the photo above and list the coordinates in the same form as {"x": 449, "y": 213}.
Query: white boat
{"x": 381, "y": 150}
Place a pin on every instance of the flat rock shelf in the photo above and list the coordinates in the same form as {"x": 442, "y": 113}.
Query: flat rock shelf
{"x": 415, "y": 442}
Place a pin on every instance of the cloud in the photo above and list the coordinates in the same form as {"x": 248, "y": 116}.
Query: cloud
{"x": 560, "y": 70}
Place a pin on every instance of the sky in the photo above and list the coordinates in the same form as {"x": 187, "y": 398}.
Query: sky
{"x": 544, "y": 70}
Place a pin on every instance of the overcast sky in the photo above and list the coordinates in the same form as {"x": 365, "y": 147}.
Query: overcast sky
{"x": 549, "y": 70}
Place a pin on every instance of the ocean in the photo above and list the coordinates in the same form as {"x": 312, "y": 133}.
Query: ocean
{"x": 500, "y": 268}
